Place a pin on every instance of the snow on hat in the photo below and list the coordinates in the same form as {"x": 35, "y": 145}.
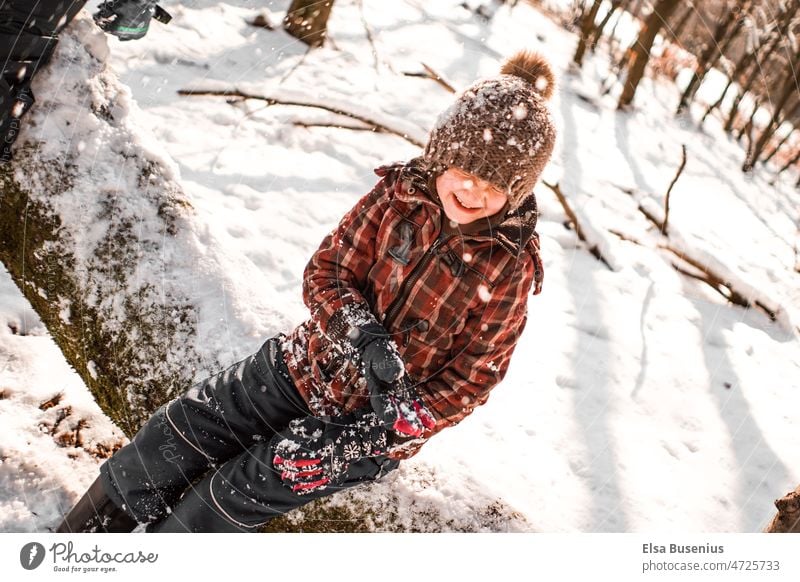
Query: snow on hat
{"x": 499, "y": 129}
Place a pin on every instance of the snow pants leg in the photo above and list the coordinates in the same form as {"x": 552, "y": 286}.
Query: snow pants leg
{"x": 28, "y": 34}
{"x": 202, "y": 461}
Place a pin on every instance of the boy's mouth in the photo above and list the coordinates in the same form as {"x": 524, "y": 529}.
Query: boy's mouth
{"x": 464, "y": 204}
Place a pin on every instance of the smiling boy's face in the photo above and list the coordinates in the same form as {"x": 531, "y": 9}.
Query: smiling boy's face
{"x": 466, "y": 198}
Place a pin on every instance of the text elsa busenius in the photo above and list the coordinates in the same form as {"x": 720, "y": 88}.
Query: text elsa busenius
{"x": 64, "y": 553}
{"x": 679, "y": 549}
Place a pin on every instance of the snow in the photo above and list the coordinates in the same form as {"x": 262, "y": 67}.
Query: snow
{"x": 638, "y": 398}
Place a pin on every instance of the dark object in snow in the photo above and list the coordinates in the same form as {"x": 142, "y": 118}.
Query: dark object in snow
{"x": 96, "y": 512}
{"x": 129, "y": 19}
{"x": 28, "y": 36}
{"x": 261, "y": 20}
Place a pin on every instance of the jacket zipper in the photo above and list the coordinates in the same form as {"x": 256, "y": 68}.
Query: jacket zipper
{"x": 391, "y": 313}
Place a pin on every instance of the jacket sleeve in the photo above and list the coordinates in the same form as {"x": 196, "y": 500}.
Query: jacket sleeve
{"x": 335, "y": 278}
{"x": 482, "y": 351}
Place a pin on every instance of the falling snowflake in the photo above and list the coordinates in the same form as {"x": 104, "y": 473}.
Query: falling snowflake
{"x": 487, "y": 135}
{"x": 467, "y": 257}
{"x": 541, "y": 84}
{"x": 520, "y": 111}
{"x": 484, "y": 293}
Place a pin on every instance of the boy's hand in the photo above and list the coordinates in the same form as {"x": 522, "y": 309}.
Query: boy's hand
{"x": 399, "y": 407}
{"x": 391, "y": 396}
{"x": 313, "y": 453}
{"x": 379, "y": 356}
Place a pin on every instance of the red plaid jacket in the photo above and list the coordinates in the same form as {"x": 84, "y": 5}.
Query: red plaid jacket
{"x": 454, "y": 298}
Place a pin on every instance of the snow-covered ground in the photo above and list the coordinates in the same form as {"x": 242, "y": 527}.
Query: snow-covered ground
{"x": 638, "y": 399}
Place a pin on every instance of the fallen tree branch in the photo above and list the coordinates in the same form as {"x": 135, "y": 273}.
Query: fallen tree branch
{"x": 399, "y": 128}
{"x": 432, "y": 74}
{"x": 625, "y": 237}
{"x": 714, "y": 280}
{"x": 429, "y": 73}
{"x": 787, "y": 520}
{"x": 669, "y": 190}
{"x": 337, "y": 126}
{"x": 593, "y": 248}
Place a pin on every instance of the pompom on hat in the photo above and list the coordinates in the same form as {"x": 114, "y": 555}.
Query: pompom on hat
{"x": 499, "y": 129}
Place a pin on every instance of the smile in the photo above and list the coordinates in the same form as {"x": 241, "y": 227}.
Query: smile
{"x": 464, "y": 204}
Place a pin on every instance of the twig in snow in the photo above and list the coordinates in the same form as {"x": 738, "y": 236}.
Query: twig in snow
{"x": 228, "y": 93}
{"x": 429, "y": 73}
{"x": 556, "y": 188}
{"x": 669, "y": 190}
{"x": 625, "y": 237}
{"x": 371, "y": 40}
{"x": 438, "y": 78}
{"x": 50, "y": 403}
{"x": 338, "y": 126}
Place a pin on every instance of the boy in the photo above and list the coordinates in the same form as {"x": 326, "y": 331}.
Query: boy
{"x": 417, "y": 300}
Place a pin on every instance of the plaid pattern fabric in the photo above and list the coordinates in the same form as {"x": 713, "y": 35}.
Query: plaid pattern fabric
{"x": 453, "y": 298}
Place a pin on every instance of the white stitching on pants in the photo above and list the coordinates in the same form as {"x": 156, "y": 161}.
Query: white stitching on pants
{"x": 214, "y": 499}
{"x": 177, "y": 430}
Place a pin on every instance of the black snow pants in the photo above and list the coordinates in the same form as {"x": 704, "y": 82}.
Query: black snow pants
{"x": 202, "y": 462}
{"x": 28, "y": 34}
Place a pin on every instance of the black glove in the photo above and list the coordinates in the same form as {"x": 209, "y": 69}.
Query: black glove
{"x": 390, "y": 393}
{"x": 129, "y": 19}
{"x": 377, "y": 352}
{"x": 313, "y": 453}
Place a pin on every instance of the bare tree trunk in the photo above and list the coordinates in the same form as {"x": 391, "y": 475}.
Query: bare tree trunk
{"x": 741, "y": 66}
{"x": 726, "y": 31}
{"x": 307, "y": 20}
{"x": 98, "y": 263}
{"x": 787, "y": 520}
{"x": 598, "y": 31}
{"x": 789, "y": 89}
{"x": 640, "y": 53}
{"x": 587, "y": 27}
{"x": 677, "y": 30}
{"x": 788, "y": 135}
{"x": 754, "y": 73}
{"x": 791, "y": 163}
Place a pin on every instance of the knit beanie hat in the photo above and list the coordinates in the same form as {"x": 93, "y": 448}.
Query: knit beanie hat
{"x": 499, "y": 129}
